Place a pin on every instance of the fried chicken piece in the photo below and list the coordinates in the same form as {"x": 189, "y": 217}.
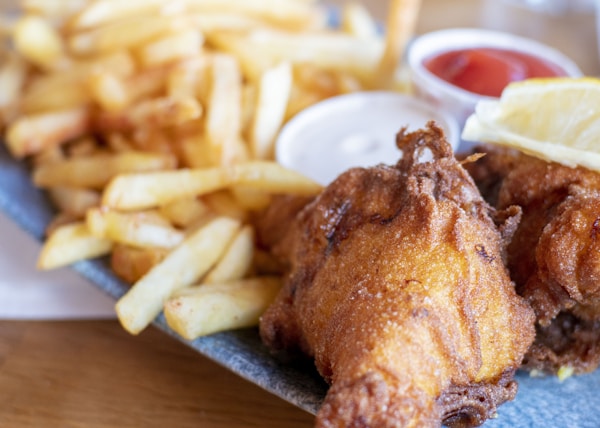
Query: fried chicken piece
{"x": 554, "y": 256}
{"x": 398, "y": 290}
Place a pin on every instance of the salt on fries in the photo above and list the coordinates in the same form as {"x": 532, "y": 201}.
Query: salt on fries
{"x": 152, "y": 124}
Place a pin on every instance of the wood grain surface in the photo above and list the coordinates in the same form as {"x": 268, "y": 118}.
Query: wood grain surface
{"x": 93, "y": 374}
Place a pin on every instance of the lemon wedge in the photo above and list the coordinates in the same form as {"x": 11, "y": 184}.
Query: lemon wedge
{"x": 556, "y": 119}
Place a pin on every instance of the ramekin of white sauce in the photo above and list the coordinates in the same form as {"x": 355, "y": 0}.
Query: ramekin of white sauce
{"x": 354, "y": 130}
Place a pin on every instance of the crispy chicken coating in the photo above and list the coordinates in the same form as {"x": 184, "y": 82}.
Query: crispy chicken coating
{"x": 554, "y": 256}
{"x": 398, "y": 290}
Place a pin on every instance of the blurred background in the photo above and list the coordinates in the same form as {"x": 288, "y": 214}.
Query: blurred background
{"x": 569, "y": 26}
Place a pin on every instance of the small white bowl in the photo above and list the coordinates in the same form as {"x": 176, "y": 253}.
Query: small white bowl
{"x": 357, "y": 129}
{"x": 460, "y": 102}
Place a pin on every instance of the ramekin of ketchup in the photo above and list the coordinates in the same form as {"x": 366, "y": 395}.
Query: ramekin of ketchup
{"x": 455, "y": 68}
{"x": 486, "y": 70}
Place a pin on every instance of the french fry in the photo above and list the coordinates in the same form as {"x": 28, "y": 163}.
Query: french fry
{"x": 96, "y": 171}
{"x": 290, "y": 14}
{"x": 173, "y": 47}
{"x": 103, "y": 11}
{"x": 401, "y": 22}
{"x": 160, "y": 112}
{"x": 186, "y": 77}
{"x": 12, "y": 79}
{"x": 271, "y": 106}
{"x": 330, "y": 50}
{"x": 182, "y": 267}
{"x": 209, "y": 22}
{"x": 236, "y": 261}
{"x": 357, "y": 21}
{"x": 28, "y": 135}
{"x": 273, "y": 178}
{"x": 37, "y": 40}
{"x": 50, "y": 94}
{"x": 250, "y": 199}
{"x": 109, "y": 91}
{"x": 141, "y": 191}
{"x": 132, "y": 263}
{"x": 122, "y": 34}
{"x": 74, "y": 201}
{"x": 184, "y": 212}
{"x": 224, "y": 116}
{"x": 148, "y": 190}
{"x": 56, "y": 10}
{"x": 223, "y": 203}
{"x": 211, "y": 308}
{"x": 71, "y": 243}
{"x": 139, "y": 229}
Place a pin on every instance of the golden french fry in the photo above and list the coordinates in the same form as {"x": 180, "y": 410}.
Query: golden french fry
{"x": 271, "y": 106}
{"x": 140, "y": 191}
{"x": 170, "y": 48}
{"x": 74, "y": 201}
{"x": 357, "y": 21}
{"x": 330, "y": 50}
{"x": 236, "y": 261}
{"x": 401, "y": 22}
{"x": 148, "y": 190}
{"x": 48, "y": 95}
{"x": 103, "y": 11}
{"x": 57, "y": 10}
{"x": 184, "y": 212}
{"x": 273, "y": 178}
{"x": 67, "y": 87}
{"x": 160, "y": 112}
{"x": 71, "y": 243}
{"x": 109, "y": 91}
{"x": 118, "y": 143}
{"x": 84, "y": 146}
{"x": 223, "y": 203}
{"x": 131, "y": 263}
{"x": 139, "y": 229}
{"x": 195, "y": 152}
{"x": 289, "y": 14}
{"x": 123, "y": 34}
{"x": 250, "y": 199}
{"x": 12, "y": 78}
{"x": 96, "y": 171}
{"x": 209, "y": 22}
{"x": 224, "y": 115}
{"x": 37, "y": 40}
{"x": 211, "y": 308}
{"x": 30, "y": 134}
{"x": 182, "y": 267}
{"x": 185, "y": 77}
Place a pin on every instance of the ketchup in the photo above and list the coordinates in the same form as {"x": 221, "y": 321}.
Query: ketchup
{"x": 487, "y": 71}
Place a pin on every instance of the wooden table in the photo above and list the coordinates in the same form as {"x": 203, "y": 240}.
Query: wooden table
{"x": 93, "y": 374}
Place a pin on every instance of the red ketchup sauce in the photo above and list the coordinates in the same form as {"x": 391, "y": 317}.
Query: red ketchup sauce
{"x": 487, "y": 71}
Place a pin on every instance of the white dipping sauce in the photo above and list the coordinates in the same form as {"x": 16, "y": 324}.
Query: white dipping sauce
{"x": 352, "y": 130}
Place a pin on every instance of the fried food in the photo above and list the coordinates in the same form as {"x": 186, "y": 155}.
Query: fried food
{"x": 398, "y": 290}
{"x": 554, "y": 256}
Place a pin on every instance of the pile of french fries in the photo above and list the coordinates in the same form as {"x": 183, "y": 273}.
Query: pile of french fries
{"x": 152, "y": 124}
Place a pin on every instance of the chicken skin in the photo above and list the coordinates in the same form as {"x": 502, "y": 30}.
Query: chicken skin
{"x": 397, "y": 288}
{"x": 554, "y": 256}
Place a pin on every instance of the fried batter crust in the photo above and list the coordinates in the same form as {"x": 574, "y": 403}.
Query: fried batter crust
{"x": 554, "y": 256}
{"x": 398, "y": 290}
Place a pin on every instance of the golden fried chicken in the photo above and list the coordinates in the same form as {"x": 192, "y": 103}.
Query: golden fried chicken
{"x": 398, "y": 290}
{"x": 554, "y": 256}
